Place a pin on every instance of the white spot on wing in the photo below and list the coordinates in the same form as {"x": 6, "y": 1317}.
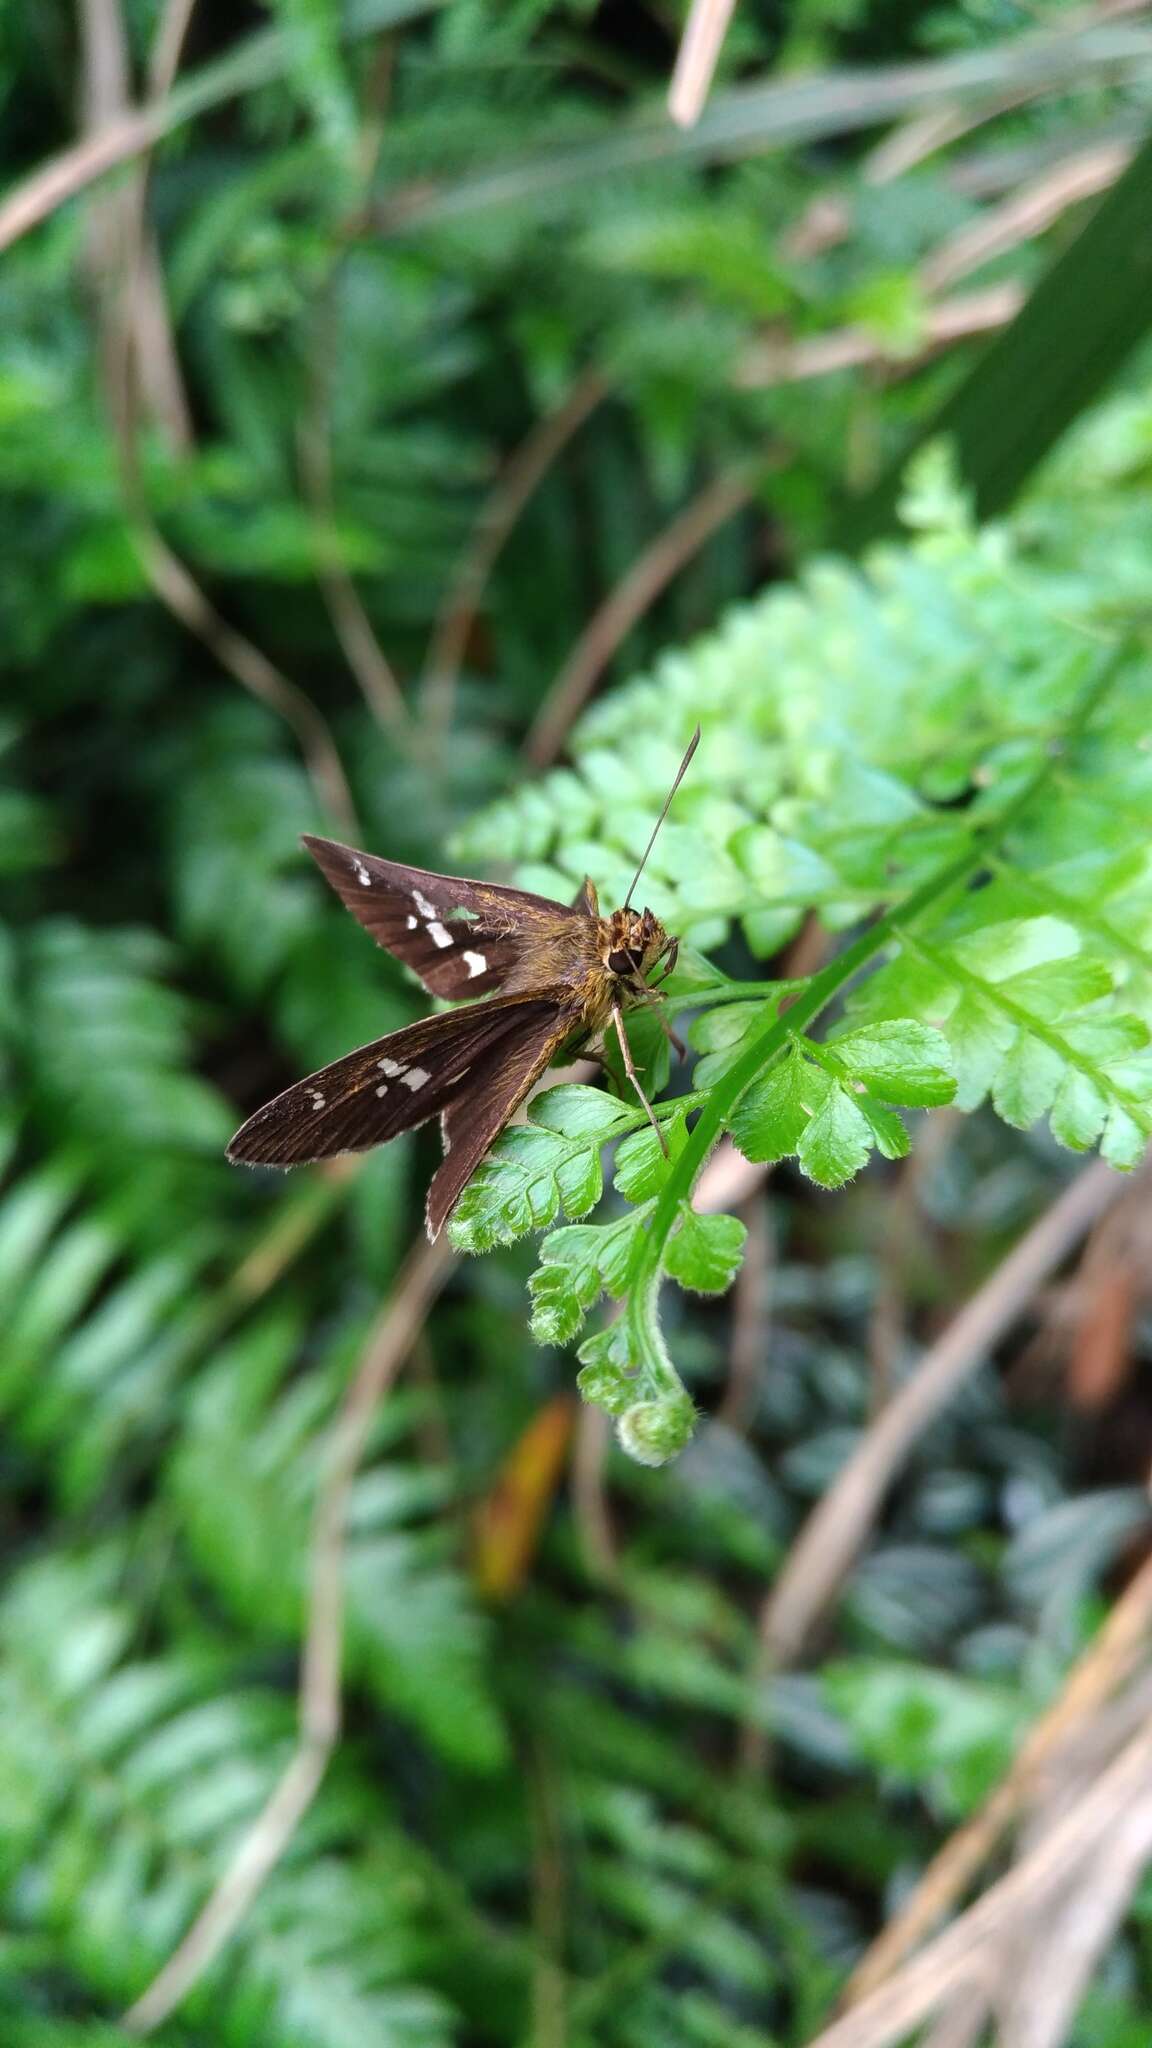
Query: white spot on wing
{"x": 383, "y": 1088}
{"x": 387, "y": 1066}
{"x": 415, "y": 1077}
{"x": 438, "y": 935}
{"x": 475, "y": 963}
{"x": 412, "y": 923}
{"x": 361, "y": 874}
{"x": 318, "y": 1100}
{"x": 425, "y": 908}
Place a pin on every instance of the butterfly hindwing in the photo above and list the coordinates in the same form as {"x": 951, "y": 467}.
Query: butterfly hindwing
{"x": 463, "y": 938}
{"x": 475, "y": 1115}
{"x": 396, "y": 1083}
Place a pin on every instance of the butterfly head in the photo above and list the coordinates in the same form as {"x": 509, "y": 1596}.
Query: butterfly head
{"x": 633, "y": 942}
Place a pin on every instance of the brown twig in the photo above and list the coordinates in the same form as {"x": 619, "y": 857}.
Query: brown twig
{"x": 625, "y": 606}
{"x": 697, "y": 58}
{"x": 271, "y": 1832}
{"x": 894, "y": 2008}
{"x": 835, "y": 1532}
{"x": 517, "y": 483}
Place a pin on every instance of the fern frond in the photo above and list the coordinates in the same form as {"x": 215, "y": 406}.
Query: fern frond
{"x": 1005, "y": 947}
{"x": 243, "y": 1482}
{"x": 128, "y": 1784}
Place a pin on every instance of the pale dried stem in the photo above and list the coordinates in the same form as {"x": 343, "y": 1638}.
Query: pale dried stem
{"x": 1025, "y": 214}
{"x": 272, "y": 1831}
{"x": 1104, "y": 1666}
{"x": 834, "y": 1534}
{"x": 912, "y": 142}
{"x": 697, "y": 58}
{"x": 590, "y": 1495}
{"x": 771, "y": 362}
{"x": 136, "y": 334}
{"x": 169, "y": 577}
{"x": 370, "y": 667}
{"x": 373, "y": 672}
{"x": 177, "y": 588}
{"x": 670, "y": 552}
{"x": 887, "y": 1333}
{"x": 1097, "y": 1674}
{"x": 1062, "y": 1948}
{"x": 727, "y": 1180}
{"x": 962, "y": 2023}
{"x": 751, "y": 1318}
{"x": 957, "y": 1957}
{"x": 516, "y": 485}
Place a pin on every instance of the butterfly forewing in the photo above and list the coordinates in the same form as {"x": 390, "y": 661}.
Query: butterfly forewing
{"x": 399, "y": 1082}
{"x": 463, "y": 938}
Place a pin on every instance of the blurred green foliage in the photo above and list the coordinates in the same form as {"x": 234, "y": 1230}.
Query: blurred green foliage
{"x": 404, "y": 251}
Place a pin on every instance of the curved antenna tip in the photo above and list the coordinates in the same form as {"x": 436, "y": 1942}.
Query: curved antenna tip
{"x": 693, "y": 743}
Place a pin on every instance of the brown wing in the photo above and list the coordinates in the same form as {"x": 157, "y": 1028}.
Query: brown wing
{"x": 462, "y": 938}
{"x": 396, "y": 1083}
{"x": 476, "y": 1114}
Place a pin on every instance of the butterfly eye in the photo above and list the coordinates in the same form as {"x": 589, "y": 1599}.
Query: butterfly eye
{"x": 625, "y": 961}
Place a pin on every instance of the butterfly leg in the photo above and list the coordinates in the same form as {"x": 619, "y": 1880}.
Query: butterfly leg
{"x": 629, "y": 1069}
{"x": 673, "y": 1037}
{"x": 652, "y": 998}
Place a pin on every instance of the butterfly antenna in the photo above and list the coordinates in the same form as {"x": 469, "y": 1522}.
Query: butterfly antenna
{"x": 693, "y": 743}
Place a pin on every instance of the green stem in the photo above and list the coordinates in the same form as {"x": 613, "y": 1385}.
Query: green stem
{"x": 644, "y": 1278}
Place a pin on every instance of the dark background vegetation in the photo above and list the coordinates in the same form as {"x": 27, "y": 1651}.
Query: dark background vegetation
{"x": 430, "y": 384}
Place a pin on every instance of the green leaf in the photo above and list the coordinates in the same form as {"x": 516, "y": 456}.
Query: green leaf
{"x": 837, "y": 1142}
{"x": 577, "y": 1264}
{"x": 641, "y": 1164}
{"x": 979, "y": 1036}
{"x": 889, "y": 1132}
{"x": 704, "y": 1252}
{"x": 559, "y": 1302}
{"x": 1027, "y": 1080}
{"x": 536, "y": 1170}
{"x": 577, "y": 1111}
{"x": 771, "y": 1118}
{"x": 1078, "y": 1111}
{"x": 609, "y": 1367}
{"x": 901, "y": 1061}
{"x": 934, "y": 1731}
{"x": 1125, "y": 1141}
